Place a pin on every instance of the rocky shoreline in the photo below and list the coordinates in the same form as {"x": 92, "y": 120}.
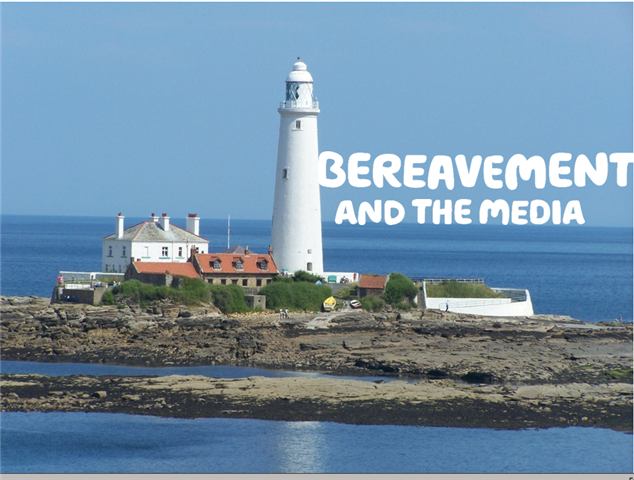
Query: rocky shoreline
{"x": 463, "y": 370}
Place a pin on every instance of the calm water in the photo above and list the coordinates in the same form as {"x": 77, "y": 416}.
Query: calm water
{"x": 214, "y": 371}
{"x": 584, "y": 272}
{"x": 578, "y": 271}
{"x": 43, "y": 442}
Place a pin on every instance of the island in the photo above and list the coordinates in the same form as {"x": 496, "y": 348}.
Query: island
{"x": 434, "y": 368}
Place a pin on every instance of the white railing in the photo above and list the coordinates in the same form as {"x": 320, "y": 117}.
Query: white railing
{"x": 296, "y": 104}
{"x": 447, "y": 279}
{"x": 475, "y": 303}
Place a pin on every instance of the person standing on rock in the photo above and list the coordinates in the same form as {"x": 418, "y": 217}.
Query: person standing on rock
{"x": 447, "y": 307}
{"x": 286, "y": 313}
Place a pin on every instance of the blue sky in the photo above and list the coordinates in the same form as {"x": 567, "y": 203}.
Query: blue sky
{"x": 164, "y": 107}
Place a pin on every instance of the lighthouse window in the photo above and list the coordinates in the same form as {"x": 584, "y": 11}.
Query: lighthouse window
{"x": 298, "y": 124}
{"x": 309, "y": 266}
{"x": 285, "y": 173}
{"x": 292, "y": 92}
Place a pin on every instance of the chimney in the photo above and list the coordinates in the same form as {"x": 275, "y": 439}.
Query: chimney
{"x": 165, "y": 222}
{"x": 154, "y": 218}
{"x": 270, "y": 250}
{"x": 246, "y": 250}
{"x": 193, "y": 224}
{"x": 119, "y": 231}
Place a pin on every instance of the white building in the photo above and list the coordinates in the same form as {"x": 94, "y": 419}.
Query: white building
{"x": 154, "y": 240}
{"x": 296, "y": 229}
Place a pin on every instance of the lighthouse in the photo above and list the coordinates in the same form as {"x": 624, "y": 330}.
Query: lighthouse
{"x": 296, "y": 229}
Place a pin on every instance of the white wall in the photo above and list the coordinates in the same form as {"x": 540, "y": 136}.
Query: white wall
{"x": 493, "y": 307}
{"x": 154, "y": 253}
{"x": 117, "y": 262}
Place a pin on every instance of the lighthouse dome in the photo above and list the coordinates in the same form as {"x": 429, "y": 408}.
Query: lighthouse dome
{"x": 299, "y": 73}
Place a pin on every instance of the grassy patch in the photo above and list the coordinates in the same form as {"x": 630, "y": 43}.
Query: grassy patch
{"x": 622, "y": 373}
{"x": 192, "y": 291}
{"x": 296, "y": 296}
{"x": 460, "y": 290}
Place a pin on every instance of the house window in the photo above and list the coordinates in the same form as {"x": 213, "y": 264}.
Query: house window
{"x": 258, "y": 282}
{"x": 223, "y": 281}
{"x": 180, "y": 251}
{"x": 245, "y": 282}
{"x": 264, "y": 265}
{"x": 123, "y": 251}
{"x": 239, "y": 265}
{"x": 110, "y": 251}
{"x": 164, "y": 252}
{"x": 298, "y": 124}
{"x": 216, "y": 264}
{"x": 285, "y": 173}
{"x": 234, "y": 281}
{"x": 268, "y": 281}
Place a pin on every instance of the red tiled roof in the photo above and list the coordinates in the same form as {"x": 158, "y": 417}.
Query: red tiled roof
{"x": 173, "y": 268}
{"x": 250, "y": 263}
{"x": 372, "y": 281}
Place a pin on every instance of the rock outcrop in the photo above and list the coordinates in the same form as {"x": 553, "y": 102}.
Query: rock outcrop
{"x": 556, "y": 360}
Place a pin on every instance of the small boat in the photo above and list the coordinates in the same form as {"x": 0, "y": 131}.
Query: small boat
{"x": 329, "y": 304}
{"x": 355, "y": 303}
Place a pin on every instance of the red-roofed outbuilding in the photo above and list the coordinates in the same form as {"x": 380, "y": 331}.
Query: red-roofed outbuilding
{"x": 160, "y": 273}
{"x": 372, "y": 284}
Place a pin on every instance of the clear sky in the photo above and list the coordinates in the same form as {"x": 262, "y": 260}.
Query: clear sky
{"x": 163, "y": 107}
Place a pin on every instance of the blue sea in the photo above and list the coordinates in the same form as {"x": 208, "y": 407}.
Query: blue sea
{"x": 583, "y": 272}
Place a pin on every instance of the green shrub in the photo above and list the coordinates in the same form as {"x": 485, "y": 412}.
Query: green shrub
{"x": 372, "y": 303}
{"x": 295, "y": 296}
{"x": 194, "y": 290}
{"x": 228, "y": 298}
{"x": 136, "y": 292}
{"x": 460, "y": 290}
{"x": 302, "y": 276}
{"x": 298, "y": 276}
{"x": 108, "y": 298}
{"x": 400, "y": 291}
{"x": 282, "y": 279}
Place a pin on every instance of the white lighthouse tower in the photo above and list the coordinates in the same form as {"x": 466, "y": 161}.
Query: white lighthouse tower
{"x": 296, "y": 230}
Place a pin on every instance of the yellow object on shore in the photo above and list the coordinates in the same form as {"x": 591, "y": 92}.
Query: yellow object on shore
{"x": 329, "y": 304}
